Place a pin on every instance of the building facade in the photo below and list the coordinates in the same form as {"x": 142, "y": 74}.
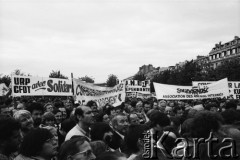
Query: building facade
{"x": 226, "y": 51}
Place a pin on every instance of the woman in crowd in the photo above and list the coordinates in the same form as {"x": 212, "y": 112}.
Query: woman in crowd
{"x": 38, "y": 144}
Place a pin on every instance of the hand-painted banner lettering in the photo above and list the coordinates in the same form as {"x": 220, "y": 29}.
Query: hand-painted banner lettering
{"x": 234, "y": 88}
{"x": 85, "y": 92}
{"x": 32, "y": 86}
{"x": 218, "y": 89}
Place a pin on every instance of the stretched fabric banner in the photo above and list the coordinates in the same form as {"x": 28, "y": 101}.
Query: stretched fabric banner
{"x": 40, "y": 86}
{"x": 218, "y": 89}
{"x": 85, "y": 92}
{"x": 3, "y": 89}
{"x": 138, "y": 86}
{"x": 234, "y": 87}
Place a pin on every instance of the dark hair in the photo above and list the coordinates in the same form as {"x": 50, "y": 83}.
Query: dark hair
{"x": 71, "y": 147}
{"x": 67, "y": 125}
{"x": 7, "y": 126}
{"x": 131, "y": 138}
{"x": 55, "y": 111}
{"x": 78, "y": 112}
{"x": 98, "y": 130}
{"x": 204, "y": 123}
{"x": 231, "y": 105}
{"x": 91, "y": 103}
{"x": 35, "y": 106}
{"x": 48, "y": 116}
{"x": 160, "y": 119}
{"x": 34, "y": 140}
{"x": 230, "y": 116}
{"x": 110, "y": 156}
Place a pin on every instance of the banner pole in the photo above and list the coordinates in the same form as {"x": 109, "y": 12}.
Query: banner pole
{"x": 72, "y": 84}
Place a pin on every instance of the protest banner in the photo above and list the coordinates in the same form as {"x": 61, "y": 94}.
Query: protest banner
{"x": 234, "y": 88}
{"x": 85, "y": 92}
{"x": 138, "y": 86}
{"x": 131, "y": 94}
{"x": 3, "y": 89}
{"x": 144, "y": 96}
{"x": 218, "y": 89}
{"x": 40, "y": 86}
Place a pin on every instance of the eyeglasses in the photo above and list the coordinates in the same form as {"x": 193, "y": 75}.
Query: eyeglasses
{"x": 86, "y": 153}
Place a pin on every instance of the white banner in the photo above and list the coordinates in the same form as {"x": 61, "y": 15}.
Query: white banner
{"x": 218, "y": 89}
{"x": 3, "y": 89}
{"x": 40, "y": 86}
{"x": 85, "y": 92}
{"x": 138, "y": 86}
{"x": 144, "y": 96}
{"x": 234, "y": 87}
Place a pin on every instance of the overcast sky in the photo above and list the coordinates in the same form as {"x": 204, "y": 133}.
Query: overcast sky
{"x": 102, "y": 37}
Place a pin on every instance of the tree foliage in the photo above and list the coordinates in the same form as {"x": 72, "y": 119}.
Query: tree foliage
{"x": 140, "y": 77}
{"x": 191, "y": 71}
{"x": 5, "y": 79}
{"x": 57, "y": 74}
{"x": 87, "y": 79}
{"x": 112, "y": 80}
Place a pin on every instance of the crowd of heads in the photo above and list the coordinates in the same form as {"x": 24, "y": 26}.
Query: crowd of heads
{"x": 61, "y": 128}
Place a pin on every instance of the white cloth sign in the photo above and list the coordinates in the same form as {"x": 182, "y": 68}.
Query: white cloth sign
{"x": 85, "y": 92}
{"x": 218, "y": 89}
{"x": 234, "y": 87}
{"x": 138, "y": 86}
{"x": 40, "y": 86}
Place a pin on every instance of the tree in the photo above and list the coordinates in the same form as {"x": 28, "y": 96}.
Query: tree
{"x": 57, "y": 74}
{"x": 87, "y": 79}
{"x": 140, "y": 77}
{"x": 112, "y": 80}
{"x": 18, "y": 72}
{"x": 5, "y": 79}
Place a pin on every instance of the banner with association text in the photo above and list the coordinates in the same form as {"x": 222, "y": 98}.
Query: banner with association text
{"x": 234, "y": 87}
{"x": 85, "y": 92}
{"x": 218, "y": 89}
{"x": 40, "y": 86}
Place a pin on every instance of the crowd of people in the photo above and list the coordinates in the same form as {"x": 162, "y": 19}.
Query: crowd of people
{"x": 33, "y": 128}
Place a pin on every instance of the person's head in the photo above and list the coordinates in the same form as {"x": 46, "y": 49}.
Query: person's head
{"x": 112, "y": 156}
{"x": 205, "y": 122}
{"x": 133, "y": 118}
{"x": 162, "y": 103}
{"x": 155, "y": 105}
{"x": 25, "y": 119}
{"x": 36, "y": 110}
{"x": 231, "y": 105}
{"x": 178, "y": 111}
{"x": 120, "y": 123}
{"x": 84, "y": 115}
{"x": 98, "y": 147}
{"x": 5, "y": 110}
{"x": 101, "y": 131}
{"x": 168, "y": 111}
{"x": 64, "y": 112}
{"x": 10, "y": 137}
{"x": 146, "y": 106}
{"x": 93, "y": 105}
{"x": 132, "y": 138}
{"x": 159, "y": 120}
{"x": 58, "y": 115}
{"x": 48, "y": 119}
{"x": 76, "y": 148}
{"x": 48, "y": 107}
{"x": 39, "y": 142}
{"x": 20, "y": 106}
{"x": 106, "y": 118}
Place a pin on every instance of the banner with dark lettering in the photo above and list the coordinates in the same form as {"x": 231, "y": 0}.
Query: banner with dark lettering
{"x": 40, "y": 86}
{"x": 85, "y": 92}
{"x": 218, "y": 89}
{"x": 234, "y": 87}
{"x": 138, "y": 86}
